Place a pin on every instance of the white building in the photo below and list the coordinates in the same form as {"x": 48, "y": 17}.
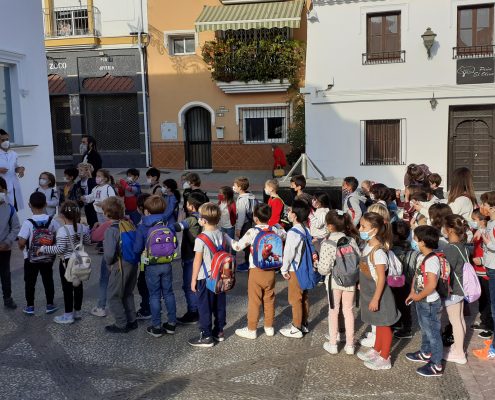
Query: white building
{"x": 24, "y": 107}
{"x": 375, "y": 100}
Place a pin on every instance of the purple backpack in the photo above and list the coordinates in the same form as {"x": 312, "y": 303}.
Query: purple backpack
{"x": 470, "y": 282}
{"x": 161, "y": 245}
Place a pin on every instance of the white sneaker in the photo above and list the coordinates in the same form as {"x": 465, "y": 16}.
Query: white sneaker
{"x": 367, "y": 355}
{"x": 291, "y": 332}
{"x": 349, "y": 350}
{"x": 77, "y": 315}
{"x": 98, "y": 312}
{"x": 450, "y": 356}
{"x": 64, "y": 319}
{"x": 269, "y": 331}
{"x": 368, "y": 341}
{"x": 378, "y": 363}
{"x": 246, "y": 333}
{"x": 339, "y": 339}
{"x": 330, "y": 348}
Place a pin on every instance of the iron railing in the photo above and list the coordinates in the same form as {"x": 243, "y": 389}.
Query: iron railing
{"x": 385, "y": 57}
{"x": 473, "y": 52}
{"x": 70, "y": 21}
{"x": 264, "y": 124}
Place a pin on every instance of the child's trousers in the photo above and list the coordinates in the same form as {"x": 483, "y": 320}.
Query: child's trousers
{"x": 299, "y": 301}
{"x": 261, "y": 291}
{"x": 31, "y": 271}
{"x": 121, "y": 284}
{"x": 210, "y": 304}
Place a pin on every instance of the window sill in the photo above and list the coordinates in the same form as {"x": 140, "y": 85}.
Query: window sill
{"x": 393, "y": 57}
{"x": 235, "y": 87}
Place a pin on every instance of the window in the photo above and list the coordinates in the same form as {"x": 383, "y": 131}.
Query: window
{"x": 180, "y": 45}
{"x": 6, "y": 117}
{"x": 383, "y": 39}
{"x": 264, "y": 124}
{"x": 383, "y": 142}
{"x": 71, "y": 22}
{"x": 475, "y": 31}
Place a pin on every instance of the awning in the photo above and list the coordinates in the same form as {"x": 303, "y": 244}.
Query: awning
{"x": 281, "y": 14}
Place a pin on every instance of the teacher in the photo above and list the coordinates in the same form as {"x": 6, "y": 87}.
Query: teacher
{"x": 11, "y": 171}
{"x": 90, "y": 153}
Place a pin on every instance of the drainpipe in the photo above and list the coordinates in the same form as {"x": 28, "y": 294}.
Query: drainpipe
{"x": 143, "y": 88}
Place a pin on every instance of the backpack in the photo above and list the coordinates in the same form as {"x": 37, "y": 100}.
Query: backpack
{"x": 362, "y": 206}
{"x": 267, "y": 249}
{"x": 345, "y": 271}
{"x": 470, "y": 283}
{"x": 78, "y": 266}
{"x": 161, "y": 245}
{"x": 409, "y": 260}
{"x": 127, "y": 232}
{"x": 305, "y": 273}
{"x": 395, "y": 274}
{"x": 443, "y": 288}
{"x": 250, "y": 210}
{"x": 42, "y": 236}
{"x": 222, "y": 276}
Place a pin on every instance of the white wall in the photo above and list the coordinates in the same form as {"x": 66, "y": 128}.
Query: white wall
{"x": 24, "y": 51}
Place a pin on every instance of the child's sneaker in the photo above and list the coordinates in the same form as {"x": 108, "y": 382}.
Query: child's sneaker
{"x": 189, "y": 318}
{"x": 430, "y": 369}
{"x": 130, "y": 326}
{"x": 168, "y": 328}
{"x": 64, "y": 319}
{"x": 485, "y": 334}
{"x": 115, "y": 329}
{"x": 77, "y": 315}
{"x": 378, "y": 363}
{"x": 51, "y": 308}
{"x": 291, "y": 332}
{"x": 9, "y": 303}
{"x": 29, "y": 310}
{"x": 418, "y": 356}
{"x": 403, "y": 334}
{"x": 331, "y": 348}
{"x": 141, "y": 315}
{"x": 367, "y": 355}
{"x": 369, "y": 340}
{"x": 304, "y": 329}
{"x": 269, "y": 331}
{"x": 450, "y": 356}
{"x": 98, "y": 312}
{"x": 483, "y": 353}
{"x": 155, "y": 332}
{"x": 349, "y": 350}
{"x": 219, "y": 337}
{"x": 202, "y": 341}
{"x": 246, "y": 333}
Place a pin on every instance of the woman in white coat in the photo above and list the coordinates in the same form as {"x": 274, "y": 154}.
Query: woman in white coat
{"x": 11, "y": 171}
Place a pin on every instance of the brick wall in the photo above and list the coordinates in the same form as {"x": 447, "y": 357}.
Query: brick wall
{"x": 168, "y": 155}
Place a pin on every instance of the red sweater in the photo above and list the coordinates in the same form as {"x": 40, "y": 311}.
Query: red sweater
{"x": 478, "y": 252}
{"x": 277, "y": 206}
{"x": 279, "y": 159}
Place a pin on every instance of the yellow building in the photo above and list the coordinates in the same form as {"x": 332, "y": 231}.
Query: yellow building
{"x": 227, "y": 113}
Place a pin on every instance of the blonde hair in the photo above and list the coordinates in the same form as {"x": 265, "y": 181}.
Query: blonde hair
{"x": 210, "y": 212}
{"x": 382, "y": 211}
{"x": 273, "y": 183}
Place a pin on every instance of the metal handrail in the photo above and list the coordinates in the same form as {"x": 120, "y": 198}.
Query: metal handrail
{"x": 385, "y": 57}
{"x": 70, "y": 21}
{"x": 473, "y": 51}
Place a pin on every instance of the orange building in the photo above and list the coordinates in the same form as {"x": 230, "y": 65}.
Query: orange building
{"x": 221, "y": 77}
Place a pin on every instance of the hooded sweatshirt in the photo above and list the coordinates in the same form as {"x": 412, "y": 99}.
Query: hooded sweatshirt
{"x": 9, "y": 224}
{"x": 245, "y": 203}
{"x": 352, "y": 206}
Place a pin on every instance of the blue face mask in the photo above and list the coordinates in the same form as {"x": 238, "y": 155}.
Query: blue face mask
{"x": 473, "y": 225}
{"x": 414, "y": 245}
{"x": 365, "y": 236}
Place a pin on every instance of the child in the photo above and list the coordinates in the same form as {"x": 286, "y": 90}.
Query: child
{"x": 153, "y": 180}
{"x": 366, "y": 191}
{"x": 47, "y": 187}
{"x": 69, "y": 191}
{"x": 144, "y": 311}
{"x": 228, "y": 211}
{"x": 317, "y": 221}
{"x": 9, "y": 228}
{"x": 159, "y": 277}
{"x": 353, "y": 202}
{"x": 191, "y": 228}
{"x": 84, "y": 187}
{"x": 261, "y": 283}
{"x": 192, "y": 184}
{"x": 435, "y": 181}
{"x": 37, "y": 203}
{"x": 376, "y": 299}
{"x": 244, "y": 205}
{"x": 297, "y": 185}
{"x": 339, "y": 225}
{"x": 68, "y": 236}
{"x": 100, "y": 192}
{"x": 172, "y": 198}
{"x": 428, "y": 303}
{"x": 455, "y": 228}
{"x": 293, "y": 252}
{"x": 274, "y": 201}
{"x": 123, "y": 272}
{"x": 130, "y": 189}
{"x": 479, "y": 223}
{"x": 209, "y": 303}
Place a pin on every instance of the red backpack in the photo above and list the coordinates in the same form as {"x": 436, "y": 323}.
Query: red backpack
{"x": 222, "y": 276}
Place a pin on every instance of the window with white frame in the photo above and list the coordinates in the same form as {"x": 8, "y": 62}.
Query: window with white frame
{"x": 6, "y": 117}
{"x": 264, "y": 124}
{"x": 182, "y": 44}
{"x": 383, "y": 142}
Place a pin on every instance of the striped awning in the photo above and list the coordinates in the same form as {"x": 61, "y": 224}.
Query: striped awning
{"x": 280, "y": 14}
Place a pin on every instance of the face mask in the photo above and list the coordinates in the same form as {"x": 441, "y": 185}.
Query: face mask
{"x": 267, "y": 192}
{"x": 83, "y": 148}
{"x": 414, "y": 245}
{"x": 473, "y": 225}
{"x": 130, "y": 179}
{"x": 66, "y": 179}
{"x": 99, "y": 180}
{"x": 2, "y": 197}
{"x": 234, "y": 188}
{"x": 43, "y": 182}
{"x": 5, "y": 145}
{"x": 366, "y": 236}
{"x": 444, "y": 234}
{"x": 372, "y": 196}
{"x": 186, "y": 185}
{"x": 221, "y": 198}
{"x": 149, "y": 180}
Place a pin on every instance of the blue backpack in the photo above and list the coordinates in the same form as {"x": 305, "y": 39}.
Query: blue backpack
{"x": 267, "y": 250}
{"x": 127, "y": 238}
{"x": 306, "y": 274}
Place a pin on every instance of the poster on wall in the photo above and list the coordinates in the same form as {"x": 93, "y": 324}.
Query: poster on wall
{"x": 476, "y": 70}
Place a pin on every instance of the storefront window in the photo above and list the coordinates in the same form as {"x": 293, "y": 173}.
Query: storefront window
{"x": 6, "y": 122}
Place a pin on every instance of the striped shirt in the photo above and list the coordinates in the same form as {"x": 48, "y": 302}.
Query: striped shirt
{"x": 63, "y": 245}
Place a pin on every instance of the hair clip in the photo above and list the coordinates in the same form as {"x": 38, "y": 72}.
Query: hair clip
{"x": 340, "y": 212}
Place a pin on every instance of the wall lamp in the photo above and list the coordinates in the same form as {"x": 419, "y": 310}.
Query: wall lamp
{"x": 429, "y": 40}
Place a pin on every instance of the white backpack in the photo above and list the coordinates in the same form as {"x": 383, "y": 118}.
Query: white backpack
{"x": 78, "y": 267}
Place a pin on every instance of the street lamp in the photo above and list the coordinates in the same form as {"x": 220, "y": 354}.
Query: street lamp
{"x": 428, "y": 40}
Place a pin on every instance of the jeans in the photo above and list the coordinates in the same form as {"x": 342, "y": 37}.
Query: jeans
{"x": 143, "y": 292}
{"x": 230, "y": 232}
{"x": 491, "y": 274}
{"x": 5, "y": 274}
{"x": 159, "y": 280}
{"x": 104, "y": 276}
{"x": 429, "y": 321}
{"x": 210, "y": 303}
{"x": 73, "y": 295}
{"x": 191, "y": 298}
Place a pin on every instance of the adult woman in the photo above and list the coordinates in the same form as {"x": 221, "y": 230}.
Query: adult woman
{"x": 462, "y": 198}
{"x": 11, "y": 171}
{"x": 90, "y": 153}
{"x": 279, "y": 160}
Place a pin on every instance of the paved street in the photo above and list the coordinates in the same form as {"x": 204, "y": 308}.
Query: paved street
{"x": 42, "y": 360}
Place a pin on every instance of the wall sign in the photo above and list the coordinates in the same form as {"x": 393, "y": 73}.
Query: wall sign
{"x": 476, "y": 70}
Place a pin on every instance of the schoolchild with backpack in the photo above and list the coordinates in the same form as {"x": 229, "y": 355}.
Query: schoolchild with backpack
{"x": 266, "y": 258}
{"x": 35, "y": 232}
{"x": 71, "y": 233}
{"x": 209, "y": 273}
{"x": 47, "y": 186}
{"x": 298, "y": 269}
{"x": 339, "y": 263}
{"x": 354, "y": 203}
{"x": 317, "y": 222}
{"x": 157, "y": 244}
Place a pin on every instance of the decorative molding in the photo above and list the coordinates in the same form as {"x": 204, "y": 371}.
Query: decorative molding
{"x": 267, "y": 105}
{"x": 182, "y": 112}
{"x": 235, "y": 87}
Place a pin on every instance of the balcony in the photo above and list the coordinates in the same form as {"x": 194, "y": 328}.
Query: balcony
{"x": 473, "y": 52}
{"x": 386, "y": 57}
{"x": 70, "y": 22}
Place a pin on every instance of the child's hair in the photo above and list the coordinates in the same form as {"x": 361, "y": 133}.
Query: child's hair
{"x": 437, "y": 213}
{"x": 381, "y": 210}
{"x": 196, "y": 200}
{"x": 367, "y": 183}
{"x": 72, "y": 172}
{"x": 435, "y": 179}
{"x": 299, "y": 180}
{"x": 273, "y": 183}
{"x": 421, "y": 219}
{"x": 488, "y": 198}
{"x": 458, "y": 224}
{"x": 155, "y": 204}
{"x": 377, "y": 222}
{"x": 400, "y": 232}
{"x": 419, "y": 195}
{"x": 133, "y": 172}
{"x": 263, "y": 212}
{"x": 412, "y": 189}
{"x": 461, "y": 184}
{"x": 210, "y": 212}
{"x": 113, "y": 207}
{"x": 37, "y": 200}
{"x": 352, "y": 182}
{"x": 106, "y": 174}
{"x": 193, "y": 179}
{"x": 51, "y": 178}
{"x": 3, "y": 183}
{"x": 86, "y": 166}
{"x": 415, "y": 173}
{"x": 228, "y": 194}
{"x": 172, "y": 185}
{"x": 70, "y": 210}
{"x": 242, "y": 182}
{"x": 140, "y": 201}
{"x": 342, "y": 222}
{"x": 428, "y": 235}
{"x": 153, "y": 172}
{"x": 301, "y": 209}
{"x": 477, "y": 214}
{"x": 323, "y": 199}
{"x": 381, "y": 192}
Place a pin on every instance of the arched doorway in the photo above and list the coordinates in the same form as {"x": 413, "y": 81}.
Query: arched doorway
{"x": 197, "y": 130}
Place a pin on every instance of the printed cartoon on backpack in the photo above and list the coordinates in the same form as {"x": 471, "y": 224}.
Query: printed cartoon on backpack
{"x": 161, "y": 245}
{"x": 222, "y": 276}
{"x": 267, "y": 250}
{"x": 42, "y": 236}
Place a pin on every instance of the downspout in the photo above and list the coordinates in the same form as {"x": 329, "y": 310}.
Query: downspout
{"x": 143, "y": 90}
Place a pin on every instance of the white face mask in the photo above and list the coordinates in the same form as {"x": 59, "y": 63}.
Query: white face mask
{"x": 149, "y": 180}
{"x": 83, "y": 148}
{"x": 186, "y": 185}
{"x": 234, "y": 188}
{"x": 43, "y": 182}
{"x": 130, "y": 179}
{"x": 3, "y": 196}
{"x": 66, "y": 179}
{"x": 5, "y": 145}
{"x": 267, "y": 192}
{"x": 164, "y": 190}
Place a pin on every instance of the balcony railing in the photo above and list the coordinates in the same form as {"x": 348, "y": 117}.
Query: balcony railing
{"x": 473, "y": 52}
{"x": 385, "y": 57}
{"x": 70, "y": 21}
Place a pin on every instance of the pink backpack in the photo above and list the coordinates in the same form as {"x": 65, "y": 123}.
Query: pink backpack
{"x": 470, "y": 283}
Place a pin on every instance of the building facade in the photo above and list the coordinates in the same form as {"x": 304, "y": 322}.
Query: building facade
{"x": 377, "y": 99}
{"x": 221, "y": 78}
{"x": 96, "y": 67}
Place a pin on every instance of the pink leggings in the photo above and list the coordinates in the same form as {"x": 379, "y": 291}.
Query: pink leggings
{"x": 347, "y": 299}
{"x": 456, "y": 318}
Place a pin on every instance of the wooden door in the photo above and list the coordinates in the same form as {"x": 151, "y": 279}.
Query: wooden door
{"x": 198, "y": 138}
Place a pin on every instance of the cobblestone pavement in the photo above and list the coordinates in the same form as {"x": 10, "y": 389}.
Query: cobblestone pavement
{"x": 42, "y": 360}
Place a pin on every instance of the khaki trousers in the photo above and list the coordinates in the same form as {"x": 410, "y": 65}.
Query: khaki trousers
{"x": 298, "y": 299}
{"x": 261, "y": 291}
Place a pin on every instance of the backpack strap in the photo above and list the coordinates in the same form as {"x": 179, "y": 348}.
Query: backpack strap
{"x": 73, "y": 248}
{"x": 463, "y": 256}
{"x": 209, "y": 243}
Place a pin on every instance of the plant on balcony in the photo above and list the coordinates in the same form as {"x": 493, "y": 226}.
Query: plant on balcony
{"x": 262, "y": 60}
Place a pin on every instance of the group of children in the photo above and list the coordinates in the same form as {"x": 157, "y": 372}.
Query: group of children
{"x": 394, "y": 250}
